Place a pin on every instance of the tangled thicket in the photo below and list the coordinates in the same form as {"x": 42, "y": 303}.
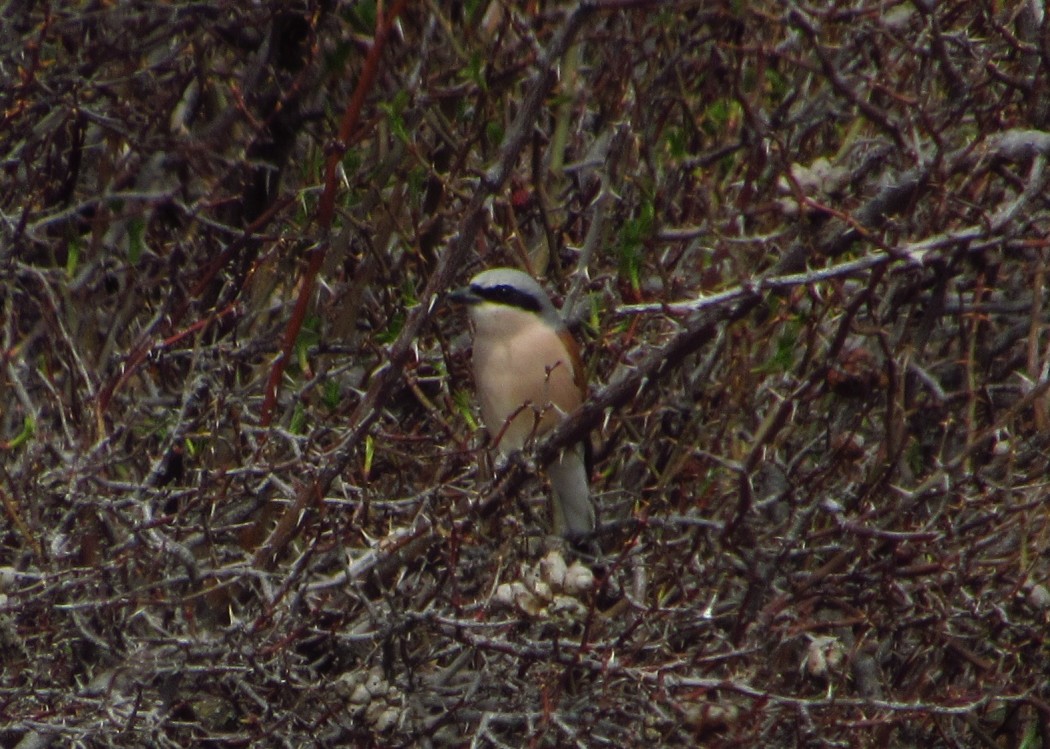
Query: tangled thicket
{"x": 805, "y": 247}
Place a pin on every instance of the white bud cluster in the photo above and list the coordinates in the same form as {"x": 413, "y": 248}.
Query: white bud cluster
{"x": 374, "y": 699}
{"x": 551, "y": 588}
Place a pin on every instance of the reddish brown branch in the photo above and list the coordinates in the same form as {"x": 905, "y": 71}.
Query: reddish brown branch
{"x": 449, "y": 263}
{"x": 326, "y": 207}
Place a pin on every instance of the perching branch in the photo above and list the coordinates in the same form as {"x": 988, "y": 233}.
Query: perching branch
{"x": 326, "y": 207}
{"x": 388, "y": 374}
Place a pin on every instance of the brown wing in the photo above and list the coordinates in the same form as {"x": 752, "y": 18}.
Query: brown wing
{"x": 578, "y": 374}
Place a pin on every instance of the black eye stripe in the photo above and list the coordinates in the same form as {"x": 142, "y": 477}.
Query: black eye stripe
{"x": 508, "y": 295}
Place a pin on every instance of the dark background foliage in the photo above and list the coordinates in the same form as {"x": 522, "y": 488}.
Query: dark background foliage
{"x": 244, "y": 496}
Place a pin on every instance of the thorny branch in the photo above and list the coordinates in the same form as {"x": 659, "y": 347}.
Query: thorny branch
{"x": 804, "y": 247}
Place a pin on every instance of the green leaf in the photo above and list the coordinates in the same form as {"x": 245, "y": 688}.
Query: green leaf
{"x": 361, "y": 16}
{"x": 338, "y": 57}
{"x": 408, "y": 294}
{"x": 494, "y": 132}
{"x": 786, "y": 347}
{"x": 331, "y": 395}
{"x": 72, "y": 256}
{"x": 475, "y": 71}
{"x": 136, "y": 238}
{"x": 472, "y": 10}
{"x": 633, "y": 234}
{"x": 370, "y": 453}
{"x": 417, "y": 178}
{"x": 308, "y": 336}
{"x": 351, "y": 162}
{"x": 393, "y": 329}
{"x": 1031, "y": 738}
{"x": 779, "y": 87}
{"x": 676, "y": 140}
{"x": 298, "y": 425}
{"x": 28, "y": 427}
{"x": 395, "y": 114}
{"x": 463, "y": 401}
{"x": 718, "y": 117}
{"x": 914, "y": 457}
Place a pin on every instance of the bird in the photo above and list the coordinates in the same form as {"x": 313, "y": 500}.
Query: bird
{"x": 529, "y": 377}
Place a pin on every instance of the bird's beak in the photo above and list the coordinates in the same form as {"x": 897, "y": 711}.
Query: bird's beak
{"x": 464, "y": 296}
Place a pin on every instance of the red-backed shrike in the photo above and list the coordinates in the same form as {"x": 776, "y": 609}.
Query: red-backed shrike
{"x": 528, "y": 376}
